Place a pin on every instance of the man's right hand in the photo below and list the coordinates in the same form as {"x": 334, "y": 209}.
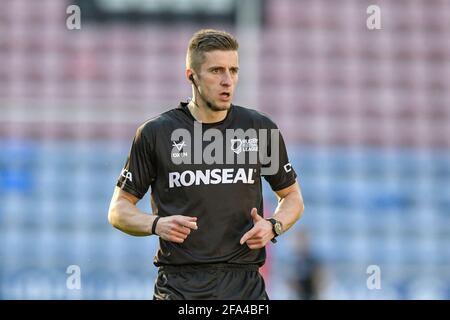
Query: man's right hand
{"x": 175, "y": 228}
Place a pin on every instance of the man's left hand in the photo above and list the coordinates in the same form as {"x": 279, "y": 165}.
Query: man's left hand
{"x": 260, "y": 234}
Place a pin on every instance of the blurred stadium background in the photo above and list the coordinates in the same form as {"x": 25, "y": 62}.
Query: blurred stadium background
{"x": 365, "y": 114}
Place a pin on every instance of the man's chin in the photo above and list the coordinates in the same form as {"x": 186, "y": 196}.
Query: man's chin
{"x": 219, "y": 106}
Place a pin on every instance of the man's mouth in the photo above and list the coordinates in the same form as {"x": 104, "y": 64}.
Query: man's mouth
{"x": 225, "y": 95}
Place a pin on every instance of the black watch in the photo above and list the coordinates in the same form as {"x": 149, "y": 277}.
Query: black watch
{"x": 277, "y": 228}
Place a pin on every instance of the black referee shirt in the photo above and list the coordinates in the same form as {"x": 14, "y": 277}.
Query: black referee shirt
{"x": 221, "y": 194}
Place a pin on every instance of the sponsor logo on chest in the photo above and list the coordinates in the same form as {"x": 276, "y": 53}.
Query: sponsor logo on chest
{"x": 211, "y": 176}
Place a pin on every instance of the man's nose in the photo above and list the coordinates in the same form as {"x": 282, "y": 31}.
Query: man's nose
{"x": 227, "y": 80}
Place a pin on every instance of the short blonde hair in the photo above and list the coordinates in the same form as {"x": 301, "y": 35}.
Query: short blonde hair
{"x": 208, "y": 40}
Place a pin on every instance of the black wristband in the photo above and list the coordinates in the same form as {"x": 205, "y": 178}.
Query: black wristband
{"x": 154, "y": 224}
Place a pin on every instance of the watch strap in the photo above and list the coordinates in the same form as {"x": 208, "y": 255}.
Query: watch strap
{"x": 273, "y": 221}
{"x": 154, "y": 224}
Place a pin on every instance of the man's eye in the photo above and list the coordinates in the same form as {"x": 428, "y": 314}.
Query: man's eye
{"x": 215, "y": 70}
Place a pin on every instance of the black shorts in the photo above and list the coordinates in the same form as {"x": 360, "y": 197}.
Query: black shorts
{"x": 210, "y": 282}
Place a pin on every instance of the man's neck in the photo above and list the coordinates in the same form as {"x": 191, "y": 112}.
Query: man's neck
{"x": 203, "y": 114}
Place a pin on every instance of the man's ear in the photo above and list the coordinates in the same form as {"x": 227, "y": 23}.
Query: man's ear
{"x": 190, "y": 75}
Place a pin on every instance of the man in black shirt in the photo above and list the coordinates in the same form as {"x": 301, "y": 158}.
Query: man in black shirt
{"x": 203, "y": 161}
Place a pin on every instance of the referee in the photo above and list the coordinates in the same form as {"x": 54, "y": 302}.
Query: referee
{"x": 208, "y": 210}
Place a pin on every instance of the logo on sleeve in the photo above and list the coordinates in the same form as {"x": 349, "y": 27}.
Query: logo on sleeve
{"x": 287, "y": 167}
{"x": 127, "y": 175}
